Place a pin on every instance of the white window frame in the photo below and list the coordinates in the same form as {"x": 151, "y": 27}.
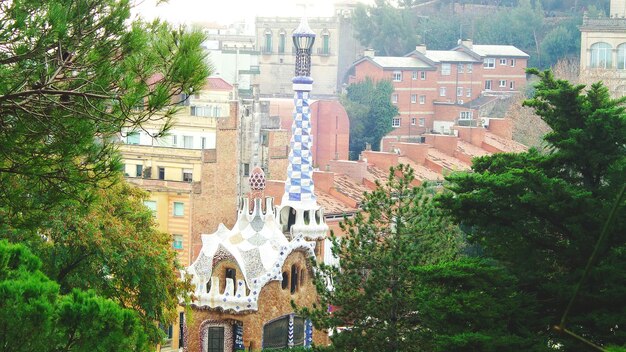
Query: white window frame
{"x": 188, "y": 172}
{"x": 178, "y": 206}
{"x": 442, "y": 91}
{"x": 459, "y": 91}
{"x": 502, "y": 62}
{"x": 422, "y": 75}
{"x": 397, "y": 76}
{"x": 413, "y": 121}
{"x": 422, "y": 122}
{"x": 395, "y": 122}
{"x": 394, "y": 98}
{"x": 413, "y": 98}
{"x": 152, "y": 205}
{"x": 512, "y": 62}
{"x": 177, "y": 241}
{"x": 468, "y": 92}
{"x": 488, "y": 84}
{"x": 422, "y": 99}
{"x": 446, "y": 68}
{"x": 188, "y": 142}
{"x": 465, "y": 115}
{"x": 489, "y": 63}
{"x": 502, "y": 83}
{"x": 460, "y": 68}
{"x": 511, "y": 85}
{"x": 414, "y": 75}
{"x": 470, "y": 68}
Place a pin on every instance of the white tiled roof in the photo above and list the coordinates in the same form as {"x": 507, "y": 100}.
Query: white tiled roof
{"x": 399, "y": 62}
{"x": 498, "y": 50}
{"x": 449, "y": 56}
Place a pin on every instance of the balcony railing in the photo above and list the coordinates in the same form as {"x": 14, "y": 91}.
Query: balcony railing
{"x": 323, "y": 51}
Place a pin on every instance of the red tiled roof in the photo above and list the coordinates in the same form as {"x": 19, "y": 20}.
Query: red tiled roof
{"x": 218, "y": 83}
{"x": 446, "y": 160}
{"x": 504, "y": 144}
{"x": 331, "y": 204}
{"x": 422, "y": 173}
{"x": 470, "y": 149}
{"x": 350, "y": 188}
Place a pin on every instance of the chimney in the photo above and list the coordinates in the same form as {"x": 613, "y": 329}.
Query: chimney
{"x": 421, "y": 49}
{"x": 369, "y": 52}
{"x": 467, "y": 43}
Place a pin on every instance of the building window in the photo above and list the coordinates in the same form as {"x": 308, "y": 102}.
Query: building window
{"x": 179, "y": 209}
{"x": 138, "y": 170}
{"x": 413, "y": 121}
{"x": 465, "y": 115}
{"x": 621, "y": 56}
{"x": 187, "y": 142}
{"x": 445, "y": 69}
{"x": 268, "y": 42}
{"x": 488, "y": 84}
{"x": 413, "y": 98}
{"x": 204, "y": 111}
{"x": 442, "y": 91}
{"x": 601, "y": 56}
{"x": 174, "y": 141}
{"x": 230, "y": 274}
{"x": 422, "y": 121}
{"x": 152, "y": 205}
{"x": 161, "y": 173}
{"x": 502, "y": 61}
{"x": 294, "y": 278}
{"x": 281, "y": 42}
{"x": 276, "y": 333}
{"x": 325, "y": 44}
{"x": 502, "y": 83}
{"x": 512, "y": 62}
{"x": 187, "y": 175}
{"x": 460, "y": 68}
{"x": 459, "y": 91}
{"x": 397, "y": 76}
{"x": 468, "y": 92}
{"x": 422, "y": 75}
{"x": 489, "y": 63}
{"x": 215, "y": 339}
{"x": 285, "y": 283}
{"x": 395, "y": 122}
{"x": 246, "y": 169}
{"x": 394, "y": 98}
{"x": 422, "y": 99}
{"x": 414, "y": 75}
{"x": 203, "y": 142}
{"x": 132, "y": 138}
{"x": 511, "y": 85}
{"x": 470, "y": 68}
{"x": 177, "y": 242}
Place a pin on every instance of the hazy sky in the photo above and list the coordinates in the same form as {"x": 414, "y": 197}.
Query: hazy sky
{"x": 226, "y": 11}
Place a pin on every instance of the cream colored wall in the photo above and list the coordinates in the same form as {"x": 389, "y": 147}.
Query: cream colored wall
{"x": 618, "y": 8}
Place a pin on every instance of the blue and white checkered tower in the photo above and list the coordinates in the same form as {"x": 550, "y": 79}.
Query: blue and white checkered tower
{"x": 300, "y": 212}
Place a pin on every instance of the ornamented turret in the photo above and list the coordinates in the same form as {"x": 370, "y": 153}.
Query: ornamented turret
{"x": 299, "y": 211}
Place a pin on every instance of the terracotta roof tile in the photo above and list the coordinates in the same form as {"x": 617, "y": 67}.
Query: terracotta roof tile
{"x": 446, "y": 160}
{"x": 350, "y": 188}
{"x": 470, "y": 149}
{"x": 422, "y": 173}
{"x": 331, "y": 204}
{"x": 504, "y": 144}
{"x": 218, "y": 83}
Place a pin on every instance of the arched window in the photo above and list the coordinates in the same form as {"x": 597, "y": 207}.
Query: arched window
{"x": 285, "y": 281}
{"x": 276, "y": 332}
{"x": 325, "y": 49}
{"x": 621, "y": 56}
{"x": 294, "y": 278}
{"x": 281, "y": 41}
{"x": 268, "y": 41}
{"x": 601, "y": 56}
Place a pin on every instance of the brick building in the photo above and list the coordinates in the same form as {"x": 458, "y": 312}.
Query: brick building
{"x": 438, "y": 89}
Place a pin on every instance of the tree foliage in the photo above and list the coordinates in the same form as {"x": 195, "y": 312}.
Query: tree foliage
{"x": 34, "y": 316}
{"x": 541, "y": 214}
{"x": 73, "y": 76}
{"x": 369, "y": 108}
{"x": 373, "y": 289}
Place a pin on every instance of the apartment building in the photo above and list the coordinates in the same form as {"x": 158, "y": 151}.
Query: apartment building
{"x": 603, "y": 49}
{"x": 437, "y": 89}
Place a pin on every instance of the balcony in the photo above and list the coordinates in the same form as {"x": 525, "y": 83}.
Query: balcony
{"x": 323, "y": 51}
{"x": 266, "y": 50}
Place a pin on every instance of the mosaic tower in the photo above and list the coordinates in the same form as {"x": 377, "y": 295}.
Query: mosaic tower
{"x": 300, "y": 212}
